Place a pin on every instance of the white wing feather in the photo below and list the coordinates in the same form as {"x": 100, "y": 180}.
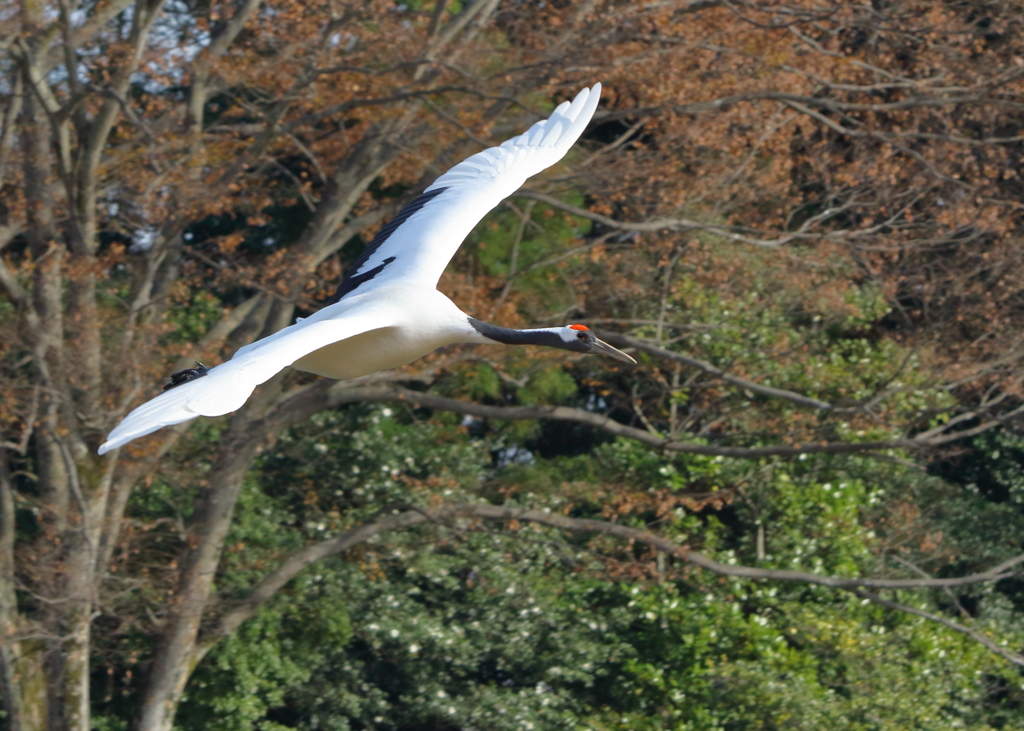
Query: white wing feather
{"x": 226, "y": 387}
{"x": 424, "y": 244}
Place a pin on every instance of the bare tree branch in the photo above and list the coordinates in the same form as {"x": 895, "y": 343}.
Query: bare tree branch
{"x": 964, "y": 95}
{"x": 688, "y": 224}
{"x": 646, "y": 347}
{"x": 342, "y": 393}
{"x": 976, "y": 635}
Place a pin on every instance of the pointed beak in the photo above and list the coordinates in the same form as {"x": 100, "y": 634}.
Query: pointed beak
{"x": 600, "y": 347}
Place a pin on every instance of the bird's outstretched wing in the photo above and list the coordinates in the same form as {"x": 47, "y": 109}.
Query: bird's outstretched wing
{"x": 418, "y": 243}
{"x": 226, "y": 387}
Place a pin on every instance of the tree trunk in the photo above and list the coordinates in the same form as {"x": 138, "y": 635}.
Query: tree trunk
{"x": 175, "y": 658}
{"x": 68, "y": 671}
{"x": 26, "y": 695}
{"x": 22, "y": 676}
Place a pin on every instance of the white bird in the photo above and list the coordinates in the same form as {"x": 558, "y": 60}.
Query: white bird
{"x": 387, "y": 311}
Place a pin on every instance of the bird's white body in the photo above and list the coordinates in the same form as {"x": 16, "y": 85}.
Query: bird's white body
{"x": 414, "y": 332}
{"x": 388, "y": 311}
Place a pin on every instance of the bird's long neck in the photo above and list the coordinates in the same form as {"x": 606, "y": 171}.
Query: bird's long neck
{"x": 550, "y": 337}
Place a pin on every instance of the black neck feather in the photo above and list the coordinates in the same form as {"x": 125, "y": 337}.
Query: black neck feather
{"x": 509, "y": 336}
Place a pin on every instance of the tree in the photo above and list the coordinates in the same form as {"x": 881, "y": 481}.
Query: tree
{"x": 180, "y": 179}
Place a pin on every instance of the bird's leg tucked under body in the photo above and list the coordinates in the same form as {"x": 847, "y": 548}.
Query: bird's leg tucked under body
{"x": 189, "y": 374}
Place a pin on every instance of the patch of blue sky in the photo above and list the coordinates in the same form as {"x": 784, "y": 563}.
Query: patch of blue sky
{"x": 143, "y": 239}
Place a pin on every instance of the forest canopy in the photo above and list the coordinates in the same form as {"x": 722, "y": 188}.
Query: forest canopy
{"x": 801, "y": 508}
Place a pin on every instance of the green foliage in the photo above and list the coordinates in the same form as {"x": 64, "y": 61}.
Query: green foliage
{"x": 482, "y": 382}
{"x": 755, "y": 655}
{"x": 479, "y": 631}
{"x": 836, "y": 360}
{"x": 193, "y": 317}
{"x": 548, "y": 386}
{"x": 339, "y": 468}
{"x": 274, "y": 653}
{"x": 546, "y": 235}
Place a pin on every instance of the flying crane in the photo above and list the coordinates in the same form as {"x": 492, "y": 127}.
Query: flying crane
{"x": 387, "y": 311}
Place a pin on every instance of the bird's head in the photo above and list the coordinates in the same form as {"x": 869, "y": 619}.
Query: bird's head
{"x": 580, "y": 339}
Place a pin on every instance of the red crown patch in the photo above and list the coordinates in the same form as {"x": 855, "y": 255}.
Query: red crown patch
{"x": 579, "y": 327}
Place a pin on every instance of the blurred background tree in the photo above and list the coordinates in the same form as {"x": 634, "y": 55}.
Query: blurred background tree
{"x": 803, "y": 218}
